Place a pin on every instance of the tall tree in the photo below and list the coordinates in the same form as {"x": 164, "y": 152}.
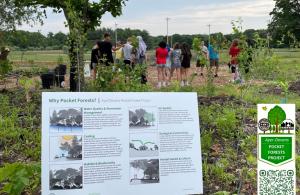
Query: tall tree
{"x": 12, "y": 14}
{"x": 285, "y": 19}
{"x": 81, "y": 16}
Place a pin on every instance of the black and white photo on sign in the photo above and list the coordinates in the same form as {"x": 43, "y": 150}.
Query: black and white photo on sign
{"x": 141, "y": 118}
{"x": 143, "y": 145}
{"x": 65, "y": 177}
{"x": 65, "y": 120}
{"x": 65, "y": 148}
{"x": 144, "y": 171}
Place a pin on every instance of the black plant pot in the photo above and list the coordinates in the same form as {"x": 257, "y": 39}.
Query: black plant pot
{"x": 73, "y": 83}
{"x": 47, "y": 80}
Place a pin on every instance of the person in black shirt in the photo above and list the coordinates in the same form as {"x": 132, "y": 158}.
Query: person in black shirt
{"x": 106, "y": 48}
{"x": 185, "y": 63}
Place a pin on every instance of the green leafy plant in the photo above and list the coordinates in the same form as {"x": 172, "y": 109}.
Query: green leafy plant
{"x": 210, "y": 87}
{"x": 5, "y": 67}
{"x": 119, "y": 78}
{"x": 196, "y": 44}
{"x": 28, "y": 85}
{"x": 219, "y": 172}
{"x": 285, "y": 87}
{"x": 20, "y": 144}
{"x": 134, "y": 42}
{"x": 17, "y": 178}
{"x": 206, "y": 141}
{"x": 226, "y": 123}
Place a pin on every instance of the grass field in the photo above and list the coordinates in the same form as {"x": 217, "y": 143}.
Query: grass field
{"x": 53, "y": 56}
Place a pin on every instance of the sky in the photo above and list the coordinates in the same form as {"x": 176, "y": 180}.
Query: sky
{"x": 186, "y": 16}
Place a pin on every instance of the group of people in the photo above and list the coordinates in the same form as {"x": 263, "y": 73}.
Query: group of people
{"x": 168, "y": 60}
{"x": 178, "y": 59}
{"x": 171, "y": 60}
{"x": 102, "y": 53}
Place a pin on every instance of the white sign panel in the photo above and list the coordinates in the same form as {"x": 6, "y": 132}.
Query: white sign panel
{"x": 87, "y": 70}
{"x": 121, "y": 143}
{"x": 276, "y": 167}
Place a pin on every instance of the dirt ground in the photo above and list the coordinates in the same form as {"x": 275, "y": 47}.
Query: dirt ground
{"x": 223, "y": 78}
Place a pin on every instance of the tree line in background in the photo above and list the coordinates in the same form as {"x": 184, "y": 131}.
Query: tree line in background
{"x": 21, "y": 40}
{"x": 35, "y": 40}
{"x": 284, "y": 27}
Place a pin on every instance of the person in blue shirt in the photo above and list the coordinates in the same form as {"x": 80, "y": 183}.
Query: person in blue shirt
{"x": 213, "y": 58}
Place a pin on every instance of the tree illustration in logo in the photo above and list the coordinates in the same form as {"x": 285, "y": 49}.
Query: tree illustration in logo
{"x": 276, "y": 116}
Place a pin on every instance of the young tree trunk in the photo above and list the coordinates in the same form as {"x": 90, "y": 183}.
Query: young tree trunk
{"x": 76, "y": 50}
{"x": 76, "y": 55}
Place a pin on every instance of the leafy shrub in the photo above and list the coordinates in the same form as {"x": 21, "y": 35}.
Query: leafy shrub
{"x": 196, "y": 44}
{"x": 210, "y": 87}
{"x": 207, "y": 115}
{"x": 5, "y": 67}
{"x": 29, "y": 85}
{"x": 206, "y": 141}
{"x": 252, "y": 160}
{"x": 265, "y": 65}
{"x": 219, "y": 172}
{"x": 19, "y": 123}
{"x": 20, "y": 144}
{"x": 18, "y": 178}
{"x": 249, "y": 144}
{"x": 8, "y": 114}
{"x": 119, "y": 79}
{"x": 226, "y": 123}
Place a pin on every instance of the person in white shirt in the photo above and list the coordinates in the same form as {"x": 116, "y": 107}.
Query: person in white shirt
{"x": 127, "y": 53}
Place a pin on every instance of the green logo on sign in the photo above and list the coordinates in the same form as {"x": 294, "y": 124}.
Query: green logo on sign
{"x": 276, "y": 150}
{"x": 276, "y": 116}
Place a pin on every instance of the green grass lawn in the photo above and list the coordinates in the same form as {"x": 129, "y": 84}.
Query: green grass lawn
{"x": 54, "y": 57}
{"x": 38, "y": 56}
{"x": 287, "y": 56}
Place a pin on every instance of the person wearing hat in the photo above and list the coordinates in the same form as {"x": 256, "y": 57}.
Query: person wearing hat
{"x": 4, "y": 53}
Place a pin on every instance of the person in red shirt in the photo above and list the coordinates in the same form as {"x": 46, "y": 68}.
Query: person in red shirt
{"x": 161, "y": 61}
{"x": 234, "y": 52}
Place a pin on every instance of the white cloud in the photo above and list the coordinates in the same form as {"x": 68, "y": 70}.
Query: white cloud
{"x": 187, "y": 20}
{"x": 255, "y": 14}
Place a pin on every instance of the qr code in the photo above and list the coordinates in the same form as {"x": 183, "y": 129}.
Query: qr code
{"x": 276, "y": 182}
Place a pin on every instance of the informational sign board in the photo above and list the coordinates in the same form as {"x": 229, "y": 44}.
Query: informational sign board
{"x": 276, "y": 149}
{"x": 121, "y": 143}
{"x": 87, "y": 70}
